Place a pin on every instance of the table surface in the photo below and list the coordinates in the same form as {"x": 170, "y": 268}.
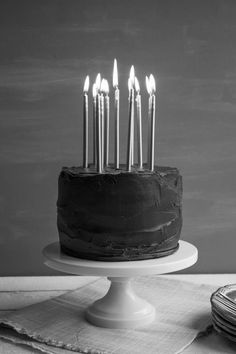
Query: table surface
{"x": 17, "y": 292}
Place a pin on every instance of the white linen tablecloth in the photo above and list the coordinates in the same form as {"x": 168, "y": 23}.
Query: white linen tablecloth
{"x": 58, "y": 325}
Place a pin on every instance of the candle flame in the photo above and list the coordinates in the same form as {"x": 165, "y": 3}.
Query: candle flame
{"x": 132, "y": 76}
{"x": 86, "y": 84}
{"x": 115, "y": 74}
{"x": 95, "y": 90}
{"x": 136, "y": 85}
{"x": 129, "y": 84}
{"x": 148, "y": 86}
{"x": 98, "y": 81}
{"x": 105, "y": 87}
{"x": 152, "y": 83}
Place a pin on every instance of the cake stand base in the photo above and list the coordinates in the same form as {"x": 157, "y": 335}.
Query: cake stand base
{"x": 120, "y": 307}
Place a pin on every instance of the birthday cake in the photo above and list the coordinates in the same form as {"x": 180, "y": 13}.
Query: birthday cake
{"x": 114, "y": 212}
{"x": 118, "y": 215}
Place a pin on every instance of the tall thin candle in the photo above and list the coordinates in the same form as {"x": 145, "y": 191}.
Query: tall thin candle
{"x": 131, "y": 119}
{"x": 98, "y": 125}
{"x": 85, "y": 123}
{"x": 153, "y": 109}
{"x": 94, "y": 93}
{"x": 149, "y": 121}
{"x": 106, "y": 122}
{"x": 139, "y": 123}
{"x": 130, "y": 85}
{"x": 117, "y": 113}
{"x": 102, "y": 118}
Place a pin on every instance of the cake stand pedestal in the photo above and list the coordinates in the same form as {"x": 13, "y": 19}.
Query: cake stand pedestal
{"x": 120, "y": 307}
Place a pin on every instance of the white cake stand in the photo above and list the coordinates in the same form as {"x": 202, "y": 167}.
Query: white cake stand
{"x": 120, "y": 307}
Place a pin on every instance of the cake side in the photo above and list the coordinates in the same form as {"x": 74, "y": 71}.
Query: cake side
{"x": 119, "y": 215}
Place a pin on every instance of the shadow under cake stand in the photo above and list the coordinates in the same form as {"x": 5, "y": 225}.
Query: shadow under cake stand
{"x": 120, "y": 307}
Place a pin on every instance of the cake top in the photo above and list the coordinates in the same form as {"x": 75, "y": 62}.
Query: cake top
{"x": 80, "y": 171}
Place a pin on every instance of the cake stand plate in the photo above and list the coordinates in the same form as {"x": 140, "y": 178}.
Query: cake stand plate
{"x": 120, "y": 307}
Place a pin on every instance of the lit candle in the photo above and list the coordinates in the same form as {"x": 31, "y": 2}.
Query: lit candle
{"x": 130, "y": 85}
{"x": 85, "y": 123}
{"x": 131, "y": 119}
{"x": 102, "y": 118}
{"x": 139, "y": 123}
{"x": 98, "y": 125}
{"x": 106, "y": 122}
{"x": 149, "y": 121}
{"x": 117, "y": 112}
{"x": 94, "y": 93}
{"x": 153, "y": 109}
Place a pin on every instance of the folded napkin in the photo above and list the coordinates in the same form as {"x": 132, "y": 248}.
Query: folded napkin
{"x": 58, "y": 325}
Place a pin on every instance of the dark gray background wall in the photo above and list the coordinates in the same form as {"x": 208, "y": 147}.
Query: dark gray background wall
{"x": 47, "y": 48}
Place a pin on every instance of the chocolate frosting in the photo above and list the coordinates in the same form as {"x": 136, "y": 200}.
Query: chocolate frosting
{"x": 119, "y": 215}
